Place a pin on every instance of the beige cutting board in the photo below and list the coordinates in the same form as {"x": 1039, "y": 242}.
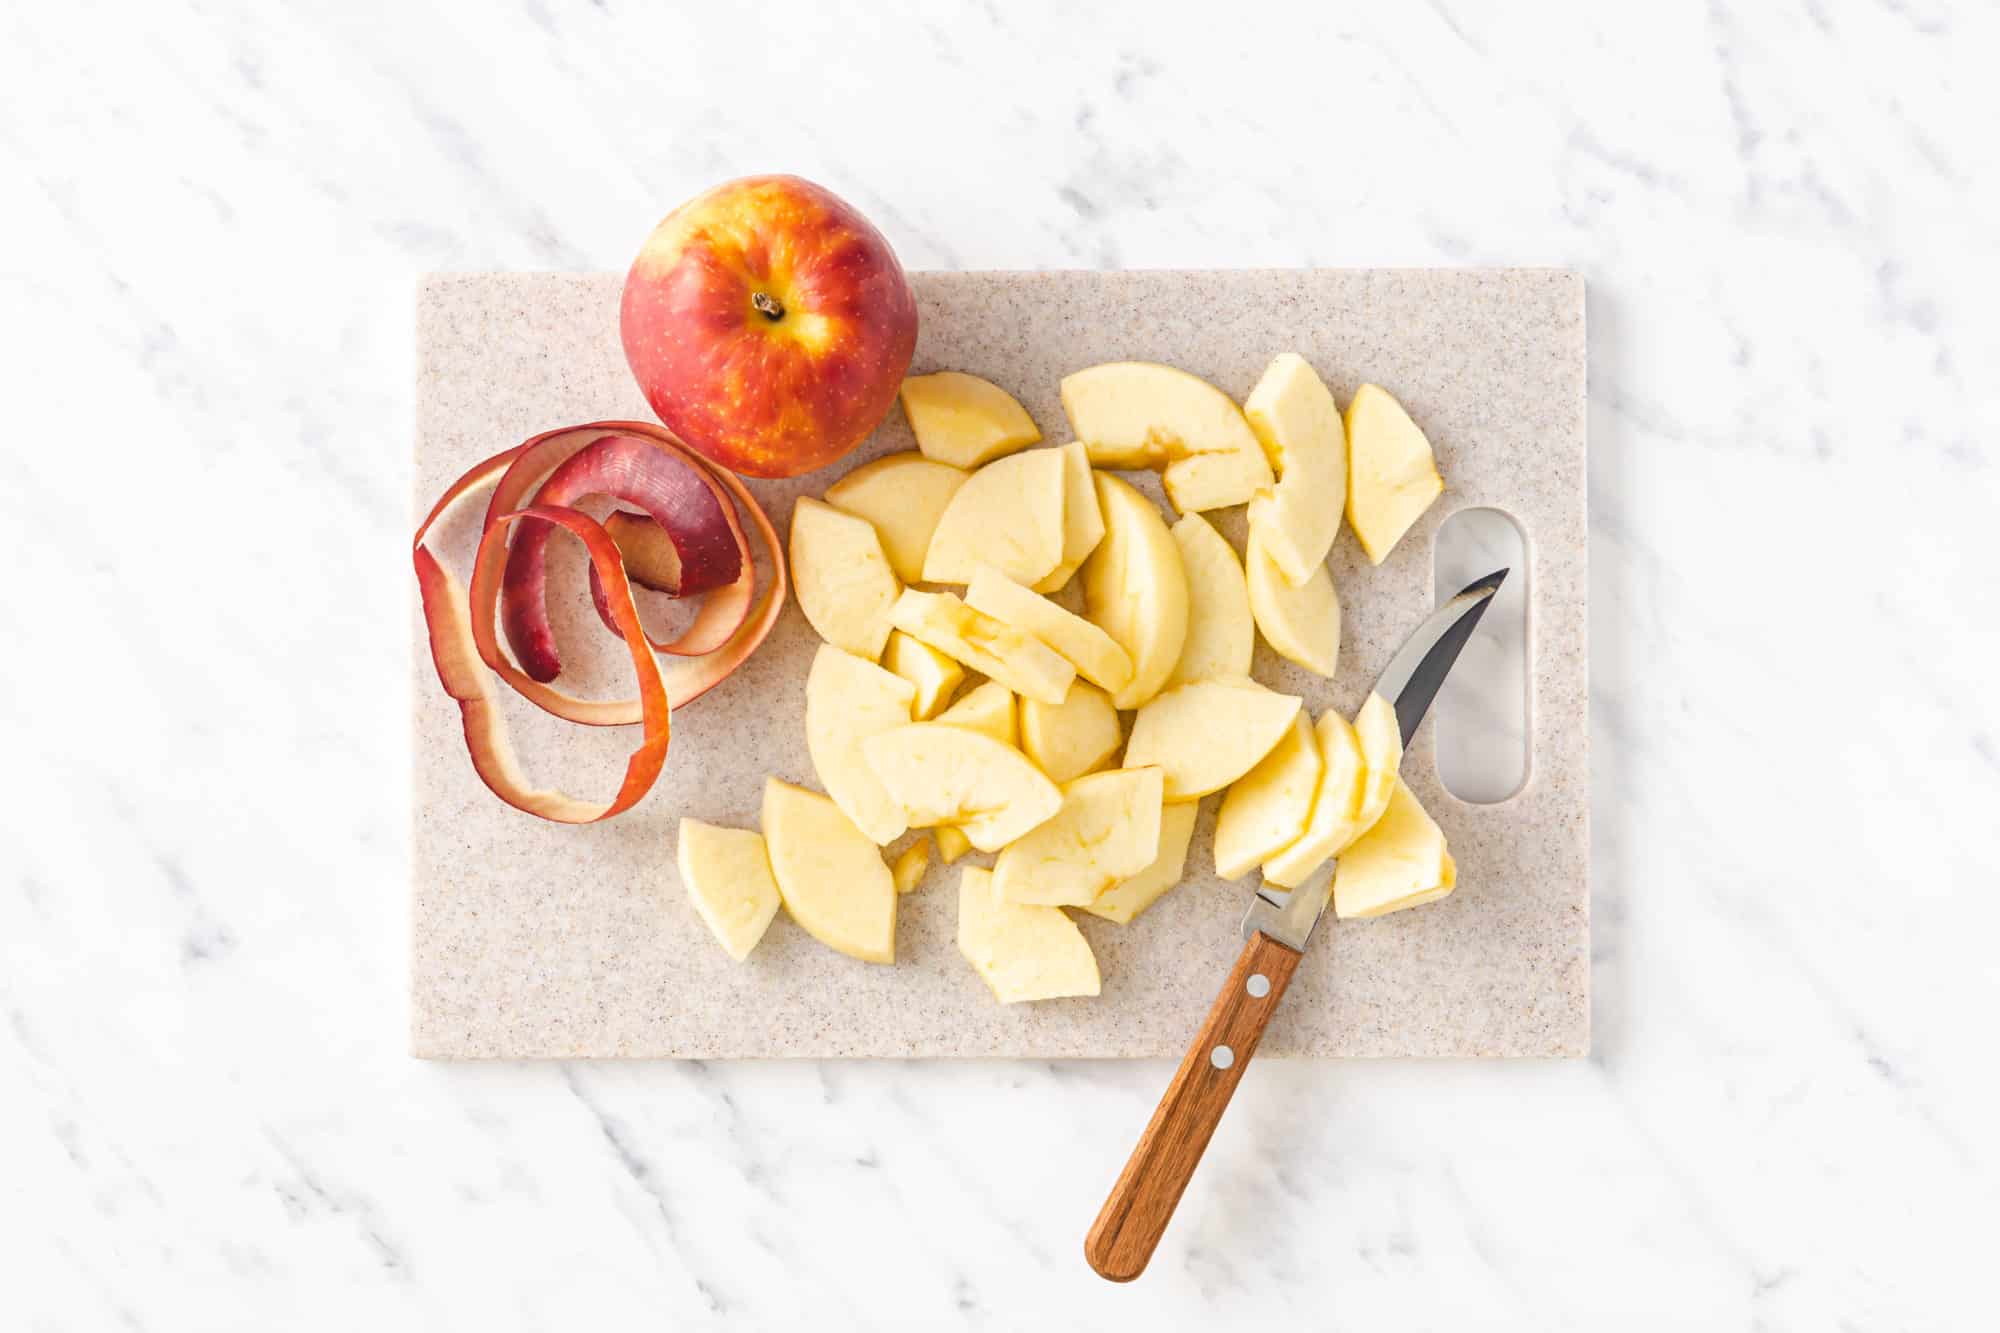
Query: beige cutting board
{"x": 532, "y": 940}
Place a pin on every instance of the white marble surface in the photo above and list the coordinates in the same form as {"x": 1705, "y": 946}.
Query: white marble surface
{"x": 215, "y": 214}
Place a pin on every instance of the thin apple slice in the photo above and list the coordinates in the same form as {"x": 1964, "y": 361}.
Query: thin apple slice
{"x": 1299, "y": 425}
{"x": 1095, "y": 654}
{"x": 849, "y": 699}
{"x": 1400, "y": 862}
{"x": 1381, "y": 738}
{"x": 1336, "y": 806}
{"x": 1220, "y": 633}
{"x": 1108, "y": 828}
{"x": 845, "y": 584}
{"x": 1009, "y": 514}
{"x": 1135, "y": 589}
{"x": 910, "y": 865}
{"x": 948, "y": 775}
{"x": 964, "y": 420}
{"x": 952, "y": 842}
{"x": 903, "y": 495}
{"x": 989, "y": 708}
{"x": 1207, "y": 734}
{"x": 1069, "y": 739}
{"x": 1267, "y": 808}
{"x": 1083, "y": 521}
{"x": 1392, "y": 475}
{"x": 830, "y": 875}
{"x": 1140, "y": 414}
{"x": 727, "y": 875}
{"x": 1302, "y": 624}
{"x": 1021, "y": 953}
{"x": 1015, "y": 658}
{"x": 935, "y": 675}
{"x": 1129, "y": 897}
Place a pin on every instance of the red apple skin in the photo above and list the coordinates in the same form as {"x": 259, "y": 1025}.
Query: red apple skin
{"x": 762, "y": 395}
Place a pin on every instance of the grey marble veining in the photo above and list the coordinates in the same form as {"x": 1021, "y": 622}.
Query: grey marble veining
{"x": 1790, "y": 230}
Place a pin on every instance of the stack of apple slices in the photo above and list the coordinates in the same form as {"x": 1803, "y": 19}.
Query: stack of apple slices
{"x": 1063, "y": 588}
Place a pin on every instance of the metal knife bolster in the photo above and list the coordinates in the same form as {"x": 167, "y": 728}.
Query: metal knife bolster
{"x": 1410, "y": 682}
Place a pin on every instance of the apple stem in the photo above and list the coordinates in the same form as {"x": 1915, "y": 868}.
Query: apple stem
{"x": 768, "y": 306}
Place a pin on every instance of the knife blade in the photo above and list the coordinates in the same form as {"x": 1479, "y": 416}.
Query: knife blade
{"x": 1277, "y": 927}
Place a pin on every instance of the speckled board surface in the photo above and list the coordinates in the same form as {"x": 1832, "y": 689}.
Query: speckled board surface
{"x": 533, "y": 940}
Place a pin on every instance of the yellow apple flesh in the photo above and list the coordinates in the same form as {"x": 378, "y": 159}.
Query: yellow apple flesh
{"x": 1392, "y": 475}
{"x": 847, "y": 701}
{"x": 1300, "y": 427}
{"x": 727, "y": 874}
{"x": 1267, "y": 808}
{"x": 1302, "y": 624}
{"x": 1207, "y": 734}
{"x": 1021, "y": 953}
{"x": 1083, "y": 522}
{"x": 1400, "y": 862}
{"x": 934, "y": 675}
{"x": 1095, "y": 654}
{"x": 1008, "y": 514}
{"x": 910, "y": 865}
{"x": 1108, "y": 828}
{"x": 942, "y": 774}
{"x": 1335, "y": 819}
{"x": 1381, "y": 738}
{"x": 1018, "y": 660}
{"x": 903, "y": 495}
{"x": 1129, "y": 897}
{"x": 1069, "y": 739}
{"x": 1220, "y": 634}
{"x": 963, "y": 420}
{"x": 987, "y": 707}
{"x": 1137, "y": 414}
{"x": 830, "y": 875}
{"x": 1135, "y": 589}
{"x": 844, "y": 583}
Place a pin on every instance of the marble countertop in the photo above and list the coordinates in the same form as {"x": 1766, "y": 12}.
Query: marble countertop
{"x": 1790, "y": 229}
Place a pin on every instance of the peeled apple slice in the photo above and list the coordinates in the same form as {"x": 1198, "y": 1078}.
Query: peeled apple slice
{"x": 910, "y": 865}
{"x": 727, "y": 874}
{"x": 1220, "y": 634}
{"x": 1135, "y": 590}
{"x": 1300, "y": 427}
{"x": 903, "y": 495}
{"x": 1138, "y": 414}
{"x": 1021, "y": 953}
{"x": 1381, "y": 739}
{"x": 1302, "y": 623}
{"x": 1208, "y": 734}
{"x": 988, "y": 708}
{"x": 1335, "y": 818}
{"x": 1069, "y": 739}
{"x": 935, "y": 676}
{"x": 1129, "y": 897}
{"x": 1095, "y": 654}
{"x": 1015, "y": 658}
{"x": 844, "y": 581}
{"x": 1400, "y": 862}
{"x": 1267, "y": 808}
{"x": 964, "y": 420}
{"x": 1009, "y": 514}
{"x": 942, "y": 774}
{"x": 1392, "y": 475}
{"x": 830, "y": 875}
{"x": 849, "y": 699}
{"x": 1108, "y": 828}
{"x": 1083, "y": 522}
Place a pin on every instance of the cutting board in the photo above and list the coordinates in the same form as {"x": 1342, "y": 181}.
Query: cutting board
{"x": 534, "y": 940}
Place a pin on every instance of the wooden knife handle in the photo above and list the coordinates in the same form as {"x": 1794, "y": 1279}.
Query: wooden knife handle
{"x": 1142, "y": 1202}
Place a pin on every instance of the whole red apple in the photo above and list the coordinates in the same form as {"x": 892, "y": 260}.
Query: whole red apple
{"x": 768, "y": 324}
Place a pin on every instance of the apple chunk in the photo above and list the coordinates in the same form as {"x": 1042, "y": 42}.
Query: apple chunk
{"x": 987, "y": 708}
{"x": 952, "y": 842}
{"x": 1009, "y": 514}
{"x": 831, "y": 877}
{"x": 1381, "y": 738}
{"x": 1129, "y": 897}
{"x": 1302, "y": 623}
{"x": 1267, "y": 808}
{"x": 1015, "y": 658}
{"x": 1095, "y": 654}
{"x": 1400, "y": 862}
{"x": 942, "y": 774}
{"x": 1108, "y": 828}
{"x": 964, "y": 420}
{"x": 1069, "y": 739}
{"x": 1336, "y": 807}
{"x": 1300, "y": 427}
{"x": 1135, "y": 589}
{"x": 903, "y": 495}
{"x": 934, "y": 675}
{"x": 727, "y": 874}
{"x": 1220, "y": 633}
{"x": 1140, "y": 414}
{"x": 844, "y": 582}
{"x": 1207, "y": 734}
{"x": 847, "y": 701}
{"x": 1022, "y": 953}
{"x": 910, "y": 865}
{"x": 1392, "y": 475}
{"x": 1083, "y": 521}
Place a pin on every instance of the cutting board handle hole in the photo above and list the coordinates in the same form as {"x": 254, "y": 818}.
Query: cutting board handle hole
{"x": 1481, "y": 715}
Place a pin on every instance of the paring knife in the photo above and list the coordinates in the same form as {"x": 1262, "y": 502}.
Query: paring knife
{"x": 1276, "y": 929}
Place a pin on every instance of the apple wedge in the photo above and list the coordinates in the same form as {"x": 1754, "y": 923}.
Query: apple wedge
{"x": 908, "y": 869}
{"x": 1009, "y": 514}
{"x": 988, "y": 708}
{"x": 1095, "y": 654}
{"x": 830, "y": 876}
{"x": 903, "y": 495}
{"x": 1381, "y": 739}
{"x": 1299, "y": 425}
{"x": 1267, "y": 808}
{"x": 1139, "y": 414}
{"x": 948, "y": 775}
{"x": 844, "y": 582}
{"x": 1069, "y": 739}
{"x": 963, "y": 420}
{"x": 1015, "y": 658}
{"x": 1207, "y": 734}
{"x": 1400, "y": 862}
{"x": 1302, "y": 623}
{"x": 1129, "y": 897}
{"x": 934, "y": 675}
{"x": 847, "y": 701}
{"x": 1135, "y": 589}
{"x": 1083, "y": 522}
{"x": 1220, "y": 633}
{"x": 1108, "y": 828}
{"x": 1336, "y": 807}
{"x": 1392, "y": 475}
{"x": 1021, "y": 953}
{"x": 727, "y": 874}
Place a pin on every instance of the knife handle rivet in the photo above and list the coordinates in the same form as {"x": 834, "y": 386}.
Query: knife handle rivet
{"x": 1222, "y": 1057}
{"x": 1258, "y": 985}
